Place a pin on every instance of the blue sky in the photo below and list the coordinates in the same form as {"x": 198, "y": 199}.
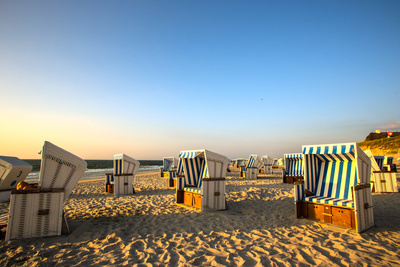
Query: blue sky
{"x": 151, "y": 78}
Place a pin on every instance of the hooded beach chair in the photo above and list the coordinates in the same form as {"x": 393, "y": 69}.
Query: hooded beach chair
{"x": 240, "y": 162}
{"x": 12, "y": 171}
{"x": 294, "y": 169}
{"x": 336, "y": 186}
{"x": 268, "y": 162}
{"x": 203, "y": 184}
{"x": 254, "y": 163}
{"x": 39, "y": 212}
{"x": 382, "y": 181}
{"x": 169, "y": 167}
{"x": 125, "y": 169}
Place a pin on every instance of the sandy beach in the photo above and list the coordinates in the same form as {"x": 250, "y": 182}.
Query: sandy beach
{"x": 258, "y": 229}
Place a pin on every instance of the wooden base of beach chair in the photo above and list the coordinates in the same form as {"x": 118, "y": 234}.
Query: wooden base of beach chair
{"x": 261, "y": 171}
{"x": 384, "y": 182}
{"x": 110, "y": 188}
{"x": 251, "y": 173}
{"x": 192, "y": 199}
{"x": 123, "y": 184}
{"x": 292, "y": 179}
{"x": 35, "y": 213}
{"x": 172, "y": 183}
{"x": 326, "y": 213}
{"x": 179, "y": 196}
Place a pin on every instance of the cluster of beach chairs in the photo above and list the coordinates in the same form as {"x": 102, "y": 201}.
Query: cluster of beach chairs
{"x": 332, "y": 183}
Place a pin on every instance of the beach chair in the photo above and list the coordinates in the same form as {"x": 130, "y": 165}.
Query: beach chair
{"x": 12, "y": 171}
{"x": 268, "y": 162}
{"x": 39, "y": 212}
{"x": 294, "y": 169}
{"x": 203, "y": 184}
{"x": 382, "y": 180}
{"x": 125, "y": 169}
{"x": 254, "y": 163}
{"x": 336, "y": 186}
{"x": 120, "y": 182}
{"x": 169, "y": 165}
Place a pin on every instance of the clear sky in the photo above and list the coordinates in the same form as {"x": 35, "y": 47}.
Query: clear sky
{"x": 151, "y": 78}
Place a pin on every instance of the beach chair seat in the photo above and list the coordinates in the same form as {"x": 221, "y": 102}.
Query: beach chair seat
{"x": 330, "y": 201}
{"x": 38, "y": 212}
{"x": 202, "y": 185}
{"x": 336, "y": 187}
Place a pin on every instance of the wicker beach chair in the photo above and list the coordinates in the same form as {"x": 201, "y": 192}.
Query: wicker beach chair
{"x": 39, "y": 212}
{"x": 383, "y": 179}
{"x": 336, "y": 186}
{"x": 268, "y": 162}
{"x": 125, "y": 169}
{"x": 294, "y": 169}
{"x": 203, "y": 184}
{"x": 254, "y": 164}
{"x": 12, "y": 171}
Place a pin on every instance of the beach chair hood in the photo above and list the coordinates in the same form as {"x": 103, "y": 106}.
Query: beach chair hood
{"x": 374, "y": 165}
{"x": 124, "y": 164}
{"x": 169, "y": 163}
{"x": 254, "y": 161}
{"x": 60, "y": 169}
{"x": 208, "y": 164}
{"x": 12, "y": 171}
{"x": 267, "y": 160}
{"x": 294, "y": 164}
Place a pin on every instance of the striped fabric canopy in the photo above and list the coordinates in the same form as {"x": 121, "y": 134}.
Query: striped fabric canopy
{"x": 254, "y": 161}
{"x": 124, "y": 164}
{"x": 330, "y": 170}
{"x": 199, "y": 164}
{"x": 294, "y": 164}
{"x": 179, "y": 168}
{"x": 168, "y": 163}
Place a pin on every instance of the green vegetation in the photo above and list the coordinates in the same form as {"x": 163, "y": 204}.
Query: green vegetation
{"x": 385, "y": 146}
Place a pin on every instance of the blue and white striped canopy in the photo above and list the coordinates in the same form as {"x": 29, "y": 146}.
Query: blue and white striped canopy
{"x": 337, "y": 152}
{"x": 254, "y": 161}
{"x": 195, "y": 165}
{"x": 293, "y": 156}
{"x": 294, "y": 164}
{"x": 331, "y": 170}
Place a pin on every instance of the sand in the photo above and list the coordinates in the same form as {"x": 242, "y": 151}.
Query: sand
{"x": 259, "y": 229}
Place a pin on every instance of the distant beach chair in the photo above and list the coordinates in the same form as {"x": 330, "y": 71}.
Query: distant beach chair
{"x": 39, "y": 212}
{"x": 241, "y": 162}
{"x": 12, "y": 171}
{"x": 169, "y": 170}
{"x": 169, "y": 165}
{"x": 233, "y": 163}
{"x": 382, "y": 179}
{"x": 294, "y": 169}
{"x": 254, "y": 163}
{"x": 203, "y": 184}
{"x": 268, "y": 162}
{"x": 336, "y": 186}
{"x": 121, "y": 181}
